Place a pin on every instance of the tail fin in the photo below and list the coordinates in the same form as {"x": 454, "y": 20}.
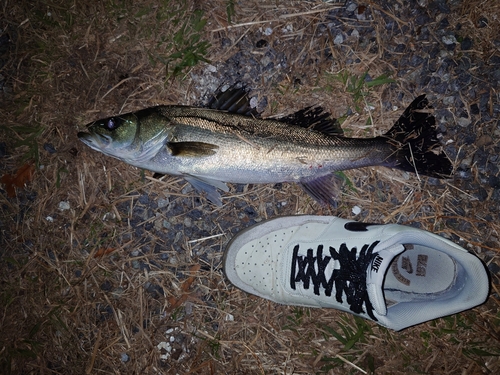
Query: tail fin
{"x": 416, "y": 147}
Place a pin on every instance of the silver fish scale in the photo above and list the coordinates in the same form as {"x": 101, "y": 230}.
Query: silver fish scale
{"x": 224, "y": 123}
{"x": 261, "y": 151}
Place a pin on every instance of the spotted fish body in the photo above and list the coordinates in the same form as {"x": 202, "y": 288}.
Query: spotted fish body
{"x": 209, "y": 147}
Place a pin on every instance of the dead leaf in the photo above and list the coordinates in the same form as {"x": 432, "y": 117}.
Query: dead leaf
{"x": 22, "y": 177}
{"x": 103, "y": 251}
{"x": 176, "y": 302}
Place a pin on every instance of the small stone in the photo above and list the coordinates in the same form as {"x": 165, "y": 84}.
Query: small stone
{"x": 416, "y": 60}
{"x": 265, "y": 61}
{"x": 339, "y": 39}
{"x": 154, "y": 290}
{"x": 188, "y": 308}
{"x": 163, "y": 202}
{"x": 49, "y": 148}
{"x": 466, "y": 163}
{"x": 466, "y": 43}
{"x": 494, "y": 181}
{"x": 165, "y": 348}
{"x": 463, "y": 122}
{"x": 268, "y": 31}
{"x": 449, "y": 39}
{"x": 442, "y": 6}
{"x": 469, "y": 139}
{"x": 109, "y": 216}
{"x": 254, "y": 102}
{"x": 466, "y": 175}
{"x": 211, "y": 68}
{"x": 106, "y": 286}
{"x": 64, "y": 206}
{"x": 494, "y": 268}
{"x": 448, "y": 100}
{"x": 351, "y": 7}
{"x": 482, "y": 22}
{"x": 400, "y": 48}
{"x": 144, "y": 199}
{"x": 422, "y": 19}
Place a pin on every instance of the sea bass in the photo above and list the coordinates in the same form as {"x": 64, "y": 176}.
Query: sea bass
{"x": 228, "y": 143}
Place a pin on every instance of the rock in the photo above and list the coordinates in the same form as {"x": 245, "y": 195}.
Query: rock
{"x": 463, "y": 122}
{"x": 449, "y": 39}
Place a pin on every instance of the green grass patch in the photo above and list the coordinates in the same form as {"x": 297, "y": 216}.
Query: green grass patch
{"x": 359, "y": 86}
{"x": 25, "y": 135}
{"x": 296, "y": 319}
{"x": 184, "y": 48}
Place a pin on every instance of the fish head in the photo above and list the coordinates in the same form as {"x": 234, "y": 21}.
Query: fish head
{"x": 110, "y": 135}
{"x": 132, "y": 137}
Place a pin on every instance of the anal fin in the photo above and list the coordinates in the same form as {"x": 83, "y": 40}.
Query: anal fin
{"x": 323, "y": 188}
{"x": 208, "y": 186}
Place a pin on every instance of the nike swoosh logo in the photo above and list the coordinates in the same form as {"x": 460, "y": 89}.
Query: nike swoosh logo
{"x": 355, "y": 226}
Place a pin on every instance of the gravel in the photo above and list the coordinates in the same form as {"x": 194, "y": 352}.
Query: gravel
{"x": 441, "y": 64}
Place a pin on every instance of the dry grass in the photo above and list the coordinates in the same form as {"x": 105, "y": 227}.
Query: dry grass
{"x": 118, "y": 283}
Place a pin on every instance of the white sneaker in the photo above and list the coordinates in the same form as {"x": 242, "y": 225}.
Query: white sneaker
{"x": 395, "y": 275}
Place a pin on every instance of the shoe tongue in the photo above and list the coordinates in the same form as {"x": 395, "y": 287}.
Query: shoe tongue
{"x": 375, "y": 276}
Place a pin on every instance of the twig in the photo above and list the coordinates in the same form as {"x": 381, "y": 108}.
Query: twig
{"x": 117, "y": 85}
{"x": 206, "y": 238}
{"x": 90, "y": 366}
{"x": 350, "y": 363}
{"x": 283, "y": 16}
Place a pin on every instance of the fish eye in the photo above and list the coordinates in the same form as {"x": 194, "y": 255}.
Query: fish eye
{"x": 111, "y": 124}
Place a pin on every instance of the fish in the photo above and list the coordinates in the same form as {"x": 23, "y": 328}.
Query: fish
{"x": 227, "y": 142}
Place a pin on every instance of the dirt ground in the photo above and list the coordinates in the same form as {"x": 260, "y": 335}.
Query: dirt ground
{"x": 106, "y": 269}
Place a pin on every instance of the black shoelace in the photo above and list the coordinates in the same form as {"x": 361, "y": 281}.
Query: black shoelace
{"x": 349, "y": 278}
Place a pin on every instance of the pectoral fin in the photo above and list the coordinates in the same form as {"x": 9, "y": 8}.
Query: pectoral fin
{"x": 208, "y": 186}
{"x": 192, "y": 149}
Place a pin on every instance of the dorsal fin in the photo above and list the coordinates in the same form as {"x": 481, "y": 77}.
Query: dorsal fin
{"x": 233, "y": 100}
{"x": 314, "y": 118}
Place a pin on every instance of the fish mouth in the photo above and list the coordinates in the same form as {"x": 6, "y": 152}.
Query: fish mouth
{"x": 95, "y": 141}
{"x": 85, "y": 138}
{"x": 83, "y": 135}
